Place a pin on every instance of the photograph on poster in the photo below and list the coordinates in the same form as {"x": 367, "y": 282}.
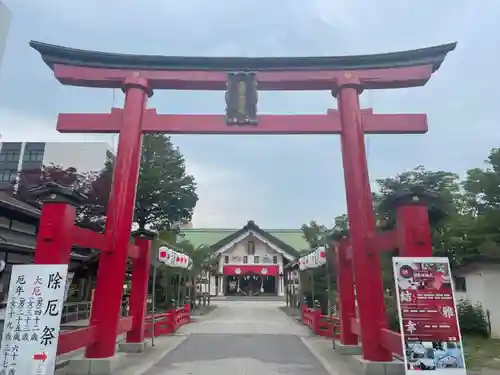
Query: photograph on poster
{"x": 427, "y": 313}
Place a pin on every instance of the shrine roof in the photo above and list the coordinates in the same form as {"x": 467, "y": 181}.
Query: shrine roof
{"x": 13, "y": 205}
{"x": 53, "y": 54}
{"x": 291, "y": 240}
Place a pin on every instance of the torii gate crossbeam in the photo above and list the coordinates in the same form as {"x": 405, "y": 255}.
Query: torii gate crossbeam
{"x": 268, "y": 124}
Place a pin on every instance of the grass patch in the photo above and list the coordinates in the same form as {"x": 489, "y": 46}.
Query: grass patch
{"x": 481, "y": 352}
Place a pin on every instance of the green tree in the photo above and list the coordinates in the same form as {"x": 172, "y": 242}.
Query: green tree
{"x": 29, "y": 178}
{"x": 166, "y": 193}
{"x": 318, "y": 234}
{"x": 318, "y": 284}
{"x": 341, "y": 223}
{"x": 445, "y": 184}
{"x": 483, "y": 185}
{"x": 93, "y": 185}
{"x": 176, "y": 283}
{"x": 314, "y": 234}
{"x": 482, "y": 191}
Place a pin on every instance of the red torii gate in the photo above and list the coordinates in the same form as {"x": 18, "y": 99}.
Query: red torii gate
{"x": 411, "y": 238}
{"x": 346, "y": 77}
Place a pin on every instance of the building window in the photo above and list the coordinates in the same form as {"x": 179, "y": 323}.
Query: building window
{"x": 226, "y": 259}
{"x": 460, "y": 285}
{"x": 256, "y": 259}
{"x": 10, "y": 156}
{"x": 275, "y": 259}
{"x": 251, "y": 247}
{"x": 8, "y": 175}
{"x": 245, "y": 259}
{"x": 33, "y": 155}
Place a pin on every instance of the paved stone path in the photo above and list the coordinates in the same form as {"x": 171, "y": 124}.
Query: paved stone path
{"x": 240, "y": 338}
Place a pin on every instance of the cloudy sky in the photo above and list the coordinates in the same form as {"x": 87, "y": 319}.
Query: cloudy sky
{"x": 278, "y": 181}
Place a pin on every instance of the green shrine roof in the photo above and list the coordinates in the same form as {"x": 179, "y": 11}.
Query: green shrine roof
{"x": 210, "y": 236}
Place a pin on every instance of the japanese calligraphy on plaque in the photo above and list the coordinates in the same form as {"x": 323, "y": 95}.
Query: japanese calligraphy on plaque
{"x": 32, "y": 319}
{"x": 241, "y": 99}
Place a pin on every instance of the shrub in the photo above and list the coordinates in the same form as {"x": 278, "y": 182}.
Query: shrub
{"x": 393, "y": 317}
{"x": 473, "y": 319}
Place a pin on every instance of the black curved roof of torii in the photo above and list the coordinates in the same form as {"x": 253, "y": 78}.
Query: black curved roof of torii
{"x": 53, "y": 54}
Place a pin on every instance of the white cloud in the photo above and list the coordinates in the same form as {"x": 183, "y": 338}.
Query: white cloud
{"x": 14, "y": 128}
{"x": 224, "y": 201}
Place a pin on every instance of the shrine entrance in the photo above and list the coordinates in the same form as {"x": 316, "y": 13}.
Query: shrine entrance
{"x": 252, "y": 284}
{"x": 346, "y": 77}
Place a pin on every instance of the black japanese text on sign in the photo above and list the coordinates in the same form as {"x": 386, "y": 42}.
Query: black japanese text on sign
{"x": 32, "y": 321}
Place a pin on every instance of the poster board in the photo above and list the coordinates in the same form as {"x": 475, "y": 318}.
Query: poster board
{"x": 430, "y": 330}
{"x": 32, "y": 319}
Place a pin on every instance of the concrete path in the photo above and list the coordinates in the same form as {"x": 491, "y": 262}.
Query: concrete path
{"x": 247, "y": 317}
{"x": 244, "y": 337}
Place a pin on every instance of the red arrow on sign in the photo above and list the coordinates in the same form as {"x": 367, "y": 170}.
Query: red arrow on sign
{"x": 40, "y": 356}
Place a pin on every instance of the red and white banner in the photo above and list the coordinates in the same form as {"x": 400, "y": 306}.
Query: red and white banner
{"x": 173, "y": 258}
{"x": 314, "y": 259}
{"x": 428, "y": 318}
{"x": 247, "y": 269}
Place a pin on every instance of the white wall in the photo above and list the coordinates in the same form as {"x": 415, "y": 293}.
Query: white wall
{"x": 262, "y": 250}
{"x": 482, "y": 287}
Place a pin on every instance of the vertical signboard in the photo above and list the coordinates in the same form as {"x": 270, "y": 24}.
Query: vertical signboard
{"x": 241, "y": 99}
{"x": 32, "y": 319}
{"x": 428, "y": 319}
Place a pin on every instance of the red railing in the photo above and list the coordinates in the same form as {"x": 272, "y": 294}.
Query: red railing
{"x": 80, "y": 338}
{"x": 320, "y": 324}
{"x": 165, "y": 324}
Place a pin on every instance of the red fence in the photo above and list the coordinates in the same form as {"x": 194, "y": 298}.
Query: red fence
{"x": 81, "y": 338}
{"x": 57, "y": 234}
{"x": 165, "y": 324}
{"x": 320, "y": 324}
{"x": 168, "y": 322}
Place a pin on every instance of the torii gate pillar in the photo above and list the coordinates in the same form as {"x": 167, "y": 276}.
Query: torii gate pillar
{"x": 112, "y": 262}
{"x": 366, "y": 264}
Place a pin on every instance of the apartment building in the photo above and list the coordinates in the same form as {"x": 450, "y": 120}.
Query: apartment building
{"x": 16, "y": 157}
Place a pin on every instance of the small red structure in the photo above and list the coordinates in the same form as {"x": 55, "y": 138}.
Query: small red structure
{"x": 167, "y": 323}
{"x": 57, "y": 234}
{"x": 346, "y": 77}
{"x": 320, "y": 324}
{"x": 412, "y": 238}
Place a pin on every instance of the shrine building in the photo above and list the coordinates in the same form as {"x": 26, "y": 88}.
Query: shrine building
{"x": 250, "y": 260}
